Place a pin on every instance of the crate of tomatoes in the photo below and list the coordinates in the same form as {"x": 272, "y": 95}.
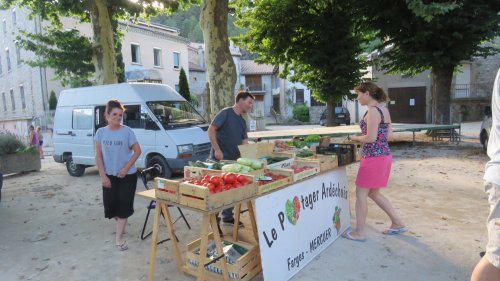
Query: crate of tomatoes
{"x": 213, "y": 189}
{"x": 273, "y": 179}
{"x": 167, "y": 189}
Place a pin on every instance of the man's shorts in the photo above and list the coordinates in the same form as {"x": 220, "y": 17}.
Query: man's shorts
{"x": 493, "y": 224}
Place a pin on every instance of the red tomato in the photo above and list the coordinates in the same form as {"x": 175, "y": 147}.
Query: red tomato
{"x": 229, "y": 186}
{"x": 238, "y": 184}
{"x": 230, "y": 178}
{"x": 242, "y": 179}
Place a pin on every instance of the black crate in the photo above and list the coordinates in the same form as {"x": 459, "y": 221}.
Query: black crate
{"x": 345, "y": 152}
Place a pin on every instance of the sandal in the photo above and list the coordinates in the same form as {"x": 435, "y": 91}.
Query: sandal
{"x": 395, "y": 231}
{"x": 122, "y": 246}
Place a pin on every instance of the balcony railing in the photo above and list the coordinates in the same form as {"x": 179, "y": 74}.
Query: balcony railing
{"x": 471, "y": 91}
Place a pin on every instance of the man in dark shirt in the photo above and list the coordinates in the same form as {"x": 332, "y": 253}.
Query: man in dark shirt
{"x": 227, "y": 131}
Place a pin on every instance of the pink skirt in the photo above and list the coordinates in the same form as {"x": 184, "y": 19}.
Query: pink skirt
{"x": 374, "y": 172}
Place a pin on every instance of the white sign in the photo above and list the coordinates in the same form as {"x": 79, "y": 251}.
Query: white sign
{"x": 253, "y": 125}
{"x": 412, "y": 102}
{"x": 298, "y": 222}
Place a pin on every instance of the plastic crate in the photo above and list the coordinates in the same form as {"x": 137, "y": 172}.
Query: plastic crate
{"x": 346, "y": 152}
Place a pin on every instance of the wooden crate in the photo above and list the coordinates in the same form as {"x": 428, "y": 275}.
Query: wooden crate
{"x": 244, "y": 269}
{"x": 259, "y": 150}
{"x": 308, "y": 173}
{"x": 276, "y": 184}
{"x": 167, "y": 189}
{"x": 326, "y": 162}
{"x": 194, "y": 172}
{"x": 199, "y": 197}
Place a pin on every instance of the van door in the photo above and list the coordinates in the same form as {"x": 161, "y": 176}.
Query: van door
{"x": 82, "y": 133}
{"x": 145, "y": 129}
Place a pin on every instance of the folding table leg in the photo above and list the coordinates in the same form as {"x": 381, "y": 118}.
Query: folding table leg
{"x": 154, "y": 240}
{"x": 236, "y": 227}
{"x": 203, "y": 247}
{"x": 252, "y": 220}
{"x": 218, "y": 244}
{"x": 171, "y": 233}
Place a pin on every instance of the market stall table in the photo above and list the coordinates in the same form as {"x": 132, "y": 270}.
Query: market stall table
{"x": 314, "y": 218}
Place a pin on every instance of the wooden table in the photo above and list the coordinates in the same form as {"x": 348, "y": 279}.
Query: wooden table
{"x": 209, "y": 219}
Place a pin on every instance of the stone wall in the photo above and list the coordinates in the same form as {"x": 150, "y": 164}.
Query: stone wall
{"x": 315, "y": 113}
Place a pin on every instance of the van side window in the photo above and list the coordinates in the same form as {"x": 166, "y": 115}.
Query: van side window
{"x": 82, "y": 119}
{"x": 132, "y": 117}
{"x": 148, "y": 122}
{"x": 100, "y": 120}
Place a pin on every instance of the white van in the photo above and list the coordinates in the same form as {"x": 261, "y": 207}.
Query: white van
{"x": 167, "y": 127}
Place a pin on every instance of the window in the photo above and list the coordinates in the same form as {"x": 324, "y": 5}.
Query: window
{"x": 23, "y": 99}
{"x": 7, "y": 54}
{"x": 82, "y": 119}
{"x": 14, "y": 20}
{"x": 12, "y": 99}
{"x": 253, "y": 82}
{"x": 4, "y": 100}
{"x": 157, "y": 57}
{"x": 1, "y": 66}
{"x": 132, "y": 116}
{"x": 177, "y": 60}
{"x": 4, "y": 25}
{"x": 299, "y": 96}
{"x": 136, "y": 53}
{"x": 18, "y": 53}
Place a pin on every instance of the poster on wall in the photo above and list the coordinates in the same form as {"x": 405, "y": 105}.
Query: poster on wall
{"x": 297, "y": 223}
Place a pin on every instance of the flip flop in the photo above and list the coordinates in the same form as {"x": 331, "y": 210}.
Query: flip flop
{"x": 394, "y": 231}
{"x": 122, "y": 246}
{"x": 347, "y": 235}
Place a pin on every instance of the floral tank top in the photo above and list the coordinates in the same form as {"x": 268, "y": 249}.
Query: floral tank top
{"x": 380, "y": 147}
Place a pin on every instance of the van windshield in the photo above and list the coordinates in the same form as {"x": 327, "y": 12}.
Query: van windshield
{"x": 175, "y": 114}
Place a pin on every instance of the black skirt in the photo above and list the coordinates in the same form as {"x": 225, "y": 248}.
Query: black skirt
{"x": 119, "y": 199}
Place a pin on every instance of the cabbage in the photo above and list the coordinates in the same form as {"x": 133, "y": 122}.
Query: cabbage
{"x": 245, "y": 169}
{"x": 233, "y": 168}
{"x": 255, "y": 164}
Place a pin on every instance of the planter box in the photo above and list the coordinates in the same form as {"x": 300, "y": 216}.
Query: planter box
{"x": 20, "y": 163}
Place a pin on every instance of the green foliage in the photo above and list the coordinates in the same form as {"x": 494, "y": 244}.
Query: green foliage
{"x": 419, "y": 42}
{"x": 52, "y": 100}
{"x": 189, "y": 24}
{"x": 317, "y": 41}
{"x": 9, "y": 144}
{"x": 66, "y": 51}
{"x": 301, "y": 113}
{"x": 69, "y": 53}
{"x": 312, "y": 138}
{"x": 184, "y": 86}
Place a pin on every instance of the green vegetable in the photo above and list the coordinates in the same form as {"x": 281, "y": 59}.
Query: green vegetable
{"x": 312, "y": 138}
{"x": 304, "y": 153}
{"x": 245, "y": 169}
{"x": 233, "y": 168}
{"x": 253, "y": 163}
{"x": 198, "y": 164}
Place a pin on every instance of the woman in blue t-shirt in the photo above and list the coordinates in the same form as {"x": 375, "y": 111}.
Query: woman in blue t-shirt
{"x": 117, "y": 150}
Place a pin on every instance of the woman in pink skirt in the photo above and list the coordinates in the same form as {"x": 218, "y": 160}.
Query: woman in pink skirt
{"x": 375, "y": 165}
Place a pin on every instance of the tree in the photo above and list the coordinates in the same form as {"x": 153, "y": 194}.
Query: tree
{"x": 219, "y": 62}
{"x": 317, "y": 42}
{"x": 52, "y": 100}
{"x": 102, "y": 14}
{"x": 433, "y": 36}
{"x": 184, "y": 86}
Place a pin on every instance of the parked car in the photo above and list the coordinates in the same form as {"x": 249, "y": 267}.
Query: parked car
{"x": 342, "y": 116}
{"x": 485, "y": 130}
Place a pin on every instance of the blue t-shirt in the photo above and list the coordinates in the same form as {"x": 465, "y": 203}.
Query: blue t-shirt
{"x": 231, "y": 131}
{"x": 116, "y": 146}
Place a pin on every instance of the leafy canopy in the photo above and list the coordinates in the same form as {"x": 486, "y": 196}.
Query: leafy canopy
{"x": 420, "y": 38}
{"x": 318, "y": 42}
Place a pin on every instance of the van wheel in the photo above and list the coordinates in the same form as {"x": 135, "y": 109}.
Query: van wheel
{"x": 159, "y": 160}
{"x": 75, "y": 170}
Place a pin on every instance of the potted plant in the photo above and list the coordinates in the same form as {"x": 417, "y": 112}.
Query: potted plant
{"x": 15, "y": 157}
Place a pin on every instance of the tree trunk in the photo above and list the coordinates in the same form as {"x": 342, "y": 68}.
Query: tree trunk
{"x": 104, "y": 53}
{"x": 219, "y": 62}
{"x": 330, "y": 117}
{"x": 441, "y": 91}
